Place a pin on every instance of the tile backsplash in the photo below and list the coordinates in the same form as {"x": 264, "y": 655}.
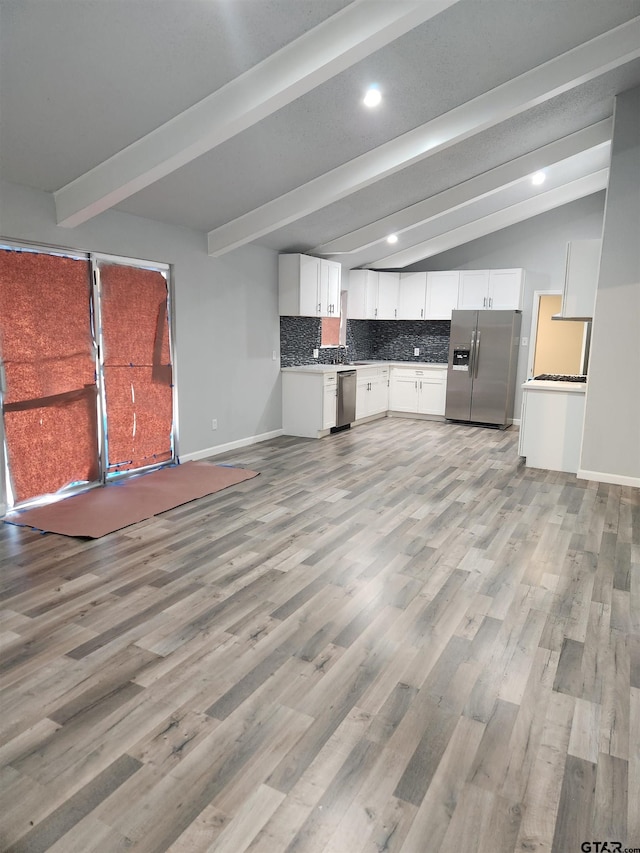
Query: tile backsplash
{"x": 394, "y": 340}
{"x": 387, "y": 340}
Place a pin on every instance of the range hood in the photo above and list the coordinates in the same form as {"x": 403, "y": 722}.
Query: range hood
{"x": 571, "y": 319}
{"x": 580, "y": 280}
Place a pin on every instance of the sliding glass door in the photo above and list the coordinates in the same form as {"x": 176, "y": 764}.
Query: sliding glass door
{"x": 135, "y": 365}
{"x": 86, "y": 370}
{"x": 48, "y": 357}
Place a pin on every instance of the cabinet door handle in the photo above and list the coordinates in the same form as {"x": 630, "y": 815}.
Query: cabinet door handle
{"x": 416, "y": 386}
{"x": 319, "y": 307}
{"x": 421, "y": 313}
{"x": 375, "y": 313}
{"x": 491, "y": 302}
{"x": 421, "y": 385}
{"x": 484, "y": 302}
{"x": 395, "y": 312}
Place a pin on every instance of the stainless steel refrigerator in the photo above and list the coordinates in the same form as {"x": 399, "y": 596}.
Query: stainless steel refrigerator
{"x": 483, "y": 358}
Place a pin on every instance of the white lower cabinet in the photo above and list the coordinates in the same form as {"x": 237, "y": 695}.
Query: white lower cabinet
{"x": 372, "y": 391}
{"x": 308, "y": 402}
{"x": 309, "y": 395}
{"x": 329, "y": 401}
{"x": 551, "y": 425}
{"x": 403, "y": 393}
{"x": 418, "y": 391}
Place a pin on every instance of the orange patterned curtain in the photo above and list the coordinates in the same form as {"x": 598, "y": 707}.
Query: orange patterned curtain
{"x": 46, "y": 346}
{"x": 137, "y": 367}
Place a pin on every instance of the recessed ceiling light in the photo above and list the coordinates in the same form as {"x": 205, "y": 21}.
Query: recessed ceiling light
{"x": 372, "y": 97}
{"x": 392, "y": 238}
{"x": 538, "y": 178}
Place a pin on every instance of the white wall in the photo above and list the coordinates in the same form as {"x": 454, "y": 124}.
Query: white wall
{"x": 226, "y": 313}
{"x": 611, "y": 438}
{"x": 538, "y": 245}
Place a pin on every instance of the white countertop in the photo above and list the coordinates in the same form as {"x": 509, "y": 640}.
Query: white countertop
{"x": 332, "y": 368}
{"x": 553, "y": 386}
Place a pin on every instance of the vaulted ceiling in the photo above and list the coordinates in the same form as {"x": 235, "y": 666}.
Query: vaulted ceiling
{"x": 244, "y": 118}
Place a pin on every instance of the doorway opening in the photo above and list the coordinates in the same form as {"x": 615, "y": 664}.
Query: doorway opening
{"x": 557, "y": 346}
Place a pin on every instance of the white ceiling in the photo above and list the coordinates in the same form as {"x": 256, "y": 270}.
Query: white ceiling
{"x": 243, "y": 118}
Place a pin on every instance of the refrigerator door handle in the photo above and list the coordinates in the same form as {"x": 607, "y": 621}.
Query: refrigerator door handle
{"x": 472, "y": 355}
{"x": 476, "y": 355}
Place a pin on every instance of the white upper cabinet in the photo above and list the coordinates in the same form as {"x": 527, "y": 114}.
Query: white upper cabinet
{"x": 330, "y": 282}
{"x": 388, "y": 286}
{"x": 373, "y": 295}
{"x": 473, "y": 289}
{"x": 308, "y": 286}
{"x": 490, "y": 289}
{"x": 412, "y": 296}
{"x": 442, "y": 294}
{"x": 431, "y": 295}
{"x": 506, "y": 289}
{"x": 362, "y": 301}
{"x": 581, "y": 278}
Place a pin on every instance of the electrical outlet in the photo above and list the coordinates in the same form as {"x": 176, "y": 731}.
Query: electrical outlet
{"x": 316, "y": 353}
{"x": 214, "y": 423}
{"x": 525, "y": 342}
{"x": 416, "y": 350}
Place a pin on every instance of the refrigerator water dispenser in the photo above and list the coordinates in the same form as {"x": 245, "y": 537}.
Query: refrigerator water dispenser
{"x": 460, "y": 358}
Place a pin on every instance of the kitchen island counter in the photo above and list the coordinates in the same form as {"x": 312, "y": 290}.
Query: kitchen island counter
{"x": 550, "y": 385}
{"x": 551, "y": 424}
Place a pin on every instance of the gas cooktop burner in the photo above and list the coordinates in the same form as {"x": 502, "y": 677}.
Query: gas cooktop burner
{"x": 561, "y": 377}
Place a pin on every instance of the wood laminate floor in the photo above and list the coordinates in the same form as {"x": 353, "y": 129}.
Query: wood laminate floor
{"x": 394, "y": 640}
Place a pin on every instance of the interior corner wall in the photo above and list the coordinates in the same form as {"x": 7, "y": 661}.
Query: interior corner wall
{"x": 539, "y": 245}
{"x": 225, "y": 314}
{"x": 611, "y": 438}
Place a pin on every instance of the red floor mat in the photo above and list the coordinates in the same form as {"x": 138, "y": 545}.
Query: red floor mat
{"x": 99, "y": 511}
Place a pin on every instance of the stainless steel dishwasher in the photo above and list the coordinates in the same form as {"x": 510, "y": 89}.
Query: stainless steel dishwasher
{"x": 346, "y": 399}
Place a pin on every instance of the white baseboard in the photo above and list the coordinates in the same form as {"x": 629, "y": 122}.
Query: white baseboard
{"x": 231, "y": 445}
{"x": 604, "y": 477}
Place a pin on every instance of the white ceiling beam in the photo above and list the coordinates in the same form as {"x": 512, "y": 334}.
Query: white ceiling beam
{"x": 579, "y": 65}
{"x": 319, "y": 54}
{"x": 511, "y": 215}
{"x": 558, "y": 175}
{"x": 469, "y": 192}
